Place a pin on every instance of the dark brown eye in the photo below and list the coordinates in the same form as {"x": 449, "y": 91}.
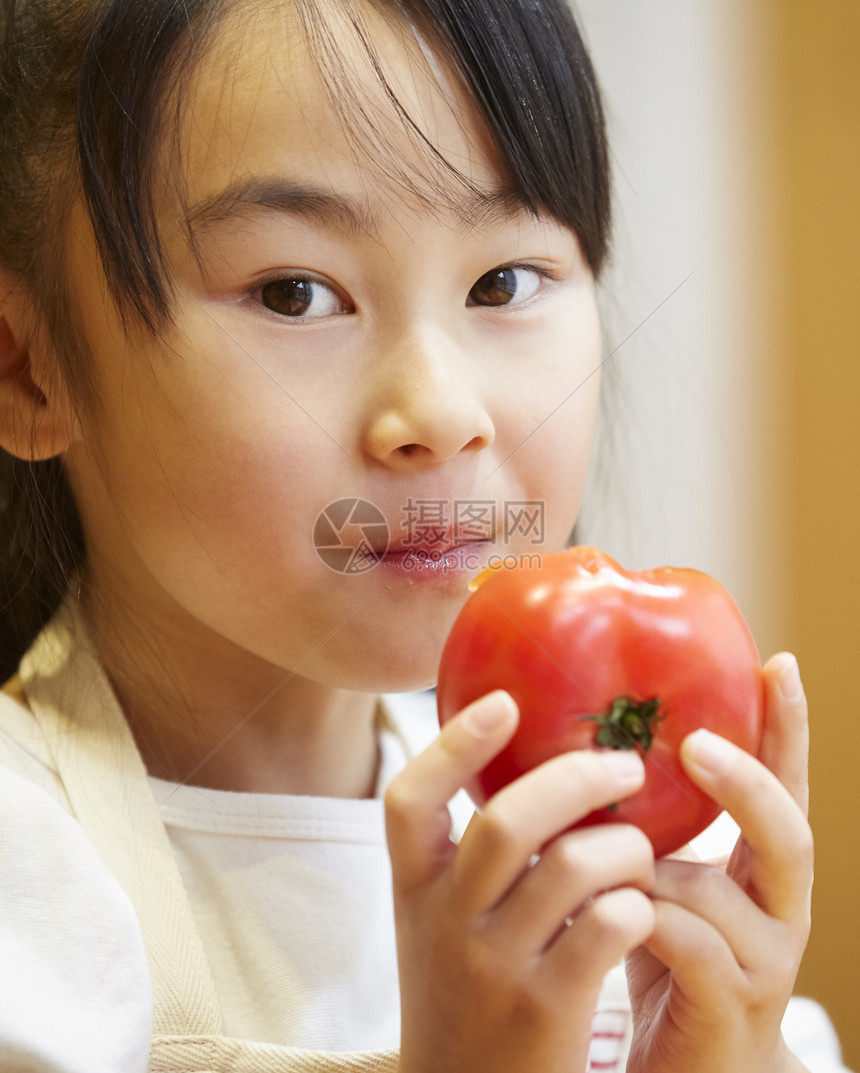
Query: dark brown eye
{"x": 300, "y": 298}
{"x": 502, "y": 286}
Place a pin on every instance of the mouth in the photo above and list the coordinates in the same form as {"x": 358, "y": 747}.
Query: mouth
{"x": 441, "y": 560}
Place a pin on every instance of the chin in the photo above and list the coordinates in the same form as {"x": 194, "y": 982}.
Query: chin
{"x": 389, "y": 660}
{"x": 400, "y": 672}
{"x": 387, "y": 680}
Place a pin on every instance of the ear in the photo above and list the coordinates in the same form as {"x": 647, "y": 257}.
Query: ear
{"x": 36, "y": 418}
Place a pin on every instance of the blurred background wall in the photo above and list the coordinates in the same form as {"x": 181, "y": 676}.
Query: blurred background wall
{"x": 814, "y": 56}
{"x": 731, "y": 440}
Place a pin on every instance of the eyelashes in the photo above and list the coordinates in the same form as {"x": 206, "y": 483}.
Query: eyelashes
{"x": 507, "y": 285}
{"x": 300, "y": 296}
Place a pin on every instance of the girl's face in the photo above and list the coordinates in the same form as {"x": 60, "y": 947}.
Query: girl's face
{"x": 352, "y": 322}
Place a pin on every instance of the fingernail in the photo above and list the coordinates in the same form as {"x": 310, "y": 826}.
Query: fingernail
{"x": 624, "y": 764}
{"x": 709, "y": 752}
{"x": 790, "y": 685}
{"x": 482, "y": 717}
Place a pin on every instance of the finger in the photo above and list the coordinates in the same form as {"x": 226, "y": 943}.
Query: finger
{"x": 772, "y": 823}
{"x": 690, "y": 853}
{"x": 715, "y": 898}
{"x": 573, "y": 868}
{"x": 605, "y": 931}
{"x": 416, "y": 813}
{"x": 685, "y": 853}
{"x": 702, "y": 963}
{"x": 785, "y": 744}
{"x": 520, "y": 819}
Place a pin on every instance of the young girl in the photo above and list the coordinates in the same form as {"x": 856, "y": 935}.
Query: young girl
{"x": 297, "y": 324}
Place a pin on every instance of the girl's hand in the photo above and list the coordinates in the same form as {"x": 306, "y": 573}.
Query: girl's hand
{"x": 501, "y": 957}
{"x": 711, "y": 984}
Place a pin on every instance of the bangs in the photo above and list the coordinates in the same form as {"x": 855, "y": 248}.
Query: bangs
{"x": 525, "y": 65}
{"x": 341, "y": 43}
{"x": 522, "y": 63}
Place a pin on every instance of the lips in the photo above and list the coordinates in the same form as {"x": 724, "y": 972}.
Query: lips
{"x": 458, "y": 557}
{"x": 429, "y": 548}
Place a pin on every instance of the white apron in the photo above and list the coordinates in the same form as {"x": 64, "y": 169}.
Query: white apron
{"x": 103, "y": 774}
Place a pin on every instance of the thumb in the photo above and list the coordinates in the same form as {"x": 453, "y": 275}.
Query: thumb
{"x": 416, "y": 813}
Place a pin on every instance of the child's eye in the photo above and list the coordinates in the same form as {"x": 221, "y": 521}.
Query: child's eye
{"x": 302, "y": 298}
{"x": 508, "y": 285}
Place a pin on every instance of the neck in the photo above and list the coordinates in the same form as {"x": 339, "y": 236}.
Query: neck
{"x": 204, "y": 713}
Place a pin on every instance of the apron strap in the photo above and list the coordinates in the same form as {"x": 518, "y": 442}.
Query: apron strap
{"x": 99, "y": 764}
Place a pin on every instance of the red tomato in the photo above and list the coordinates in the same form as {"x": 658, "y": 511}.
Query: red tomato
{"x": 600, "y": 657}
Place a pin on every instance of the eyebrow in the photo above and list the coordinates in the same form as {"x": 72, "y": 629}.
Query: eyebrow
{"x": 333, "y": 210}
{"x": 339, "y": 211}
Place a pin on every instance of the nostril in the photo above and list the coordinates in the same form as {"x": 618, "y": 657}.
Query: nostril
{"x": 409, "y": 448}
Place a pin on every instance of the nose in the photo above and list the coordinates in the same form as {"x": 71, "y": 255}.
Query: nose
{"x": 425, "y": 405}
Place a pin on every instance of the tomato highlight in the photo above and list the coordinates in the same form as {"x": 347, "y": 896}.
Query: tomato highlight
{"x": 599, "y": 657}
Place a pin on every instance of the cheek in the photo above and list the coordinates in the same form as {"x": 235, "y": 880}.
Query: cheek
{"x": 551, "y": 415}
{"x": 557, "y": 456}
{"x": 212, "y": 473}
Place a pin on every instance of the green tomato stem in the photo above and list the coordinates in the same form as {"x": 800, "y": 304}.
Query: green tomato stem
{"x": 629, "y": 724}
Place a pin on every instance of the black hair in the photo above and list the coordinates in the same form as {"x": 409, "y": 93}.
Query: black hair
{"x": 85, "y": 90}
